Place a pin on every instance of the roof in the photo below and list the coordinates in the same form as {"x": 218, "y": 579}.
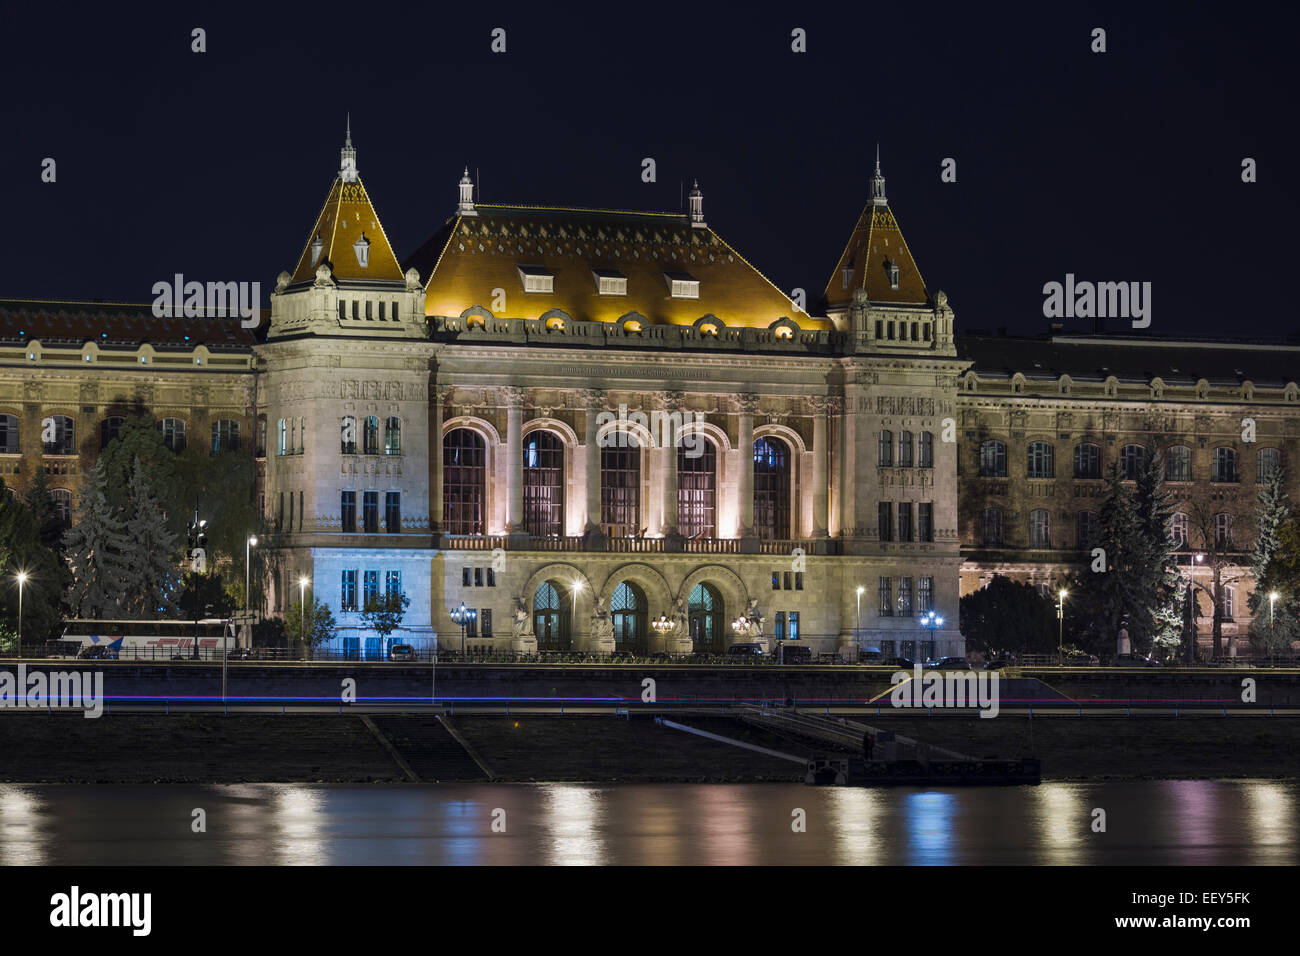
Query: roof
{"x": 347, "y": 218}
{"x": 470, "y": 257}
{"x": 875, "y": 244}
{"x": 1131, "y": 359}
{"x": 116, "y": 324}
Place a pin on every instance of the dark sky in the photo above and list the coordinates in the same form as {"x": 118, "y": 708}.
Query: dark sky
{"x": 1117, "y": 166}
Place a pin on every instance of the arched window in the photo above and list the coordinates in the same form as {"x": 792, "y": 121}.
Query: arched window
{"x": 225, "y": 436}
{"x": 393, "y": 436}
{"x": 993, "y": 459}
{"x": 627, "y": 608}
{"x": 370, "y": 439}
{"x": 772, "y": 488}
{"x": 1087, "y": 460}
{"x": 282, "y": 443}
{"x": 1041, "y": 460}
{"x": 8, "y": 435}
{"x": 62, "y": 432}
{"x": 697, "y": 491}
{"x": 706, "y": 617}
{"x": 551, "y": 618}
{"x": 173, "y": 434}
{"x": 885, "y": 449}
{"x": 464, "y": 459}
{"x": 1040, "y": 528}
{"x": 348, "y": 435}
{"x": 1223, "y": 532}
{"x": 1132, "y": 459}
{"x": 108, "y": 430}
{"x": 1268, "y": 462}
{"x": 544, "y": 484}
{"x": 905, "y": 449}
{"x": 1178, "y": 463}
{"x": 992, "y": 527}
{"x": 62, "y": 505}
{"x": 620, "y": 487}
{"x": 1087, "y": 528}
{"x": 1178, "y": 525}
{"x": 1224, "y": 465}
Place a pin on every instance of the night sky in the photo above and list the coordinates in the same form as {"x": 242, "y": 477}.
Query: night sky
{"x": 1117, "y": 166}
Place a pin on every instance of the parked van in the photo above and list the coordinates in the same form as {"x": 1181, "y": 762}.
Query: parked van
{"x": 795, "y": 654}
{"x": 745, "y": 650}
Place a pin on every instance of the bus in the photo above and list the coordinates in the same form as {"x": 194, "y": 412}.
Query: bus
{"x": 145, "y": 640}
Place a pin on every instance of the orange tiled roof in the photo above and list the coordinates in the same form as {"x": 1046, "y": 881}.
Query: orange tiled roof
{"x": 348, "y": 215}
{"x": 875, "y": 244}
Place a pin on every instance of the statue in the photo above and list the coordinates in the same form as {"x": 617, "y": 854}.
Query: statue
{"x": 282, "y": 282}
{"x": 324, "y": 277}
{"x": 520, "y": 625}
{"x": 412, "y": 280}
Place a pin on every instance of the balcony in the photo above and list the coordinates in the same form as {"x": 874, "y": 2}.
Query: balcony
{"x": 574, "y": 543}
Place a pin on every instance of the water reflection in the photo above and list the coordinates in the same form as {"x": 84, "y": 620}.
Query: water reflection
{"x": 1194, "y": 822}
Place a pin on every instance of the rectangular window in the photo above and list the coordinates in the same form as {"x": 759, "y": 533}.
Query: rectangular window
{"x": 905, "y": 521}
{"x": 885, "y": 589}
{"x": 1040, "y": 528}
{"x": 302, "y": 509}
{"x": 925, "y": 521}
{"x": 885, "y": 449}
{"x": 348, "y": 509}
{"x": 904, "y": 597}
{"x": 1178, "y": 463}
{"x": 471, "y": 626}
{"x": 464, "y": 577}
{"x": 780, "y": 625}
{"x": 905, "y": 449}
{"x": 349, "y": 591}
{"x": 370, "y": 512}
{"x": 392, "y": 583}
{"x": 291, "y": 511}
{"x": 924, "y": 594}
{"x": 992, "y": 527}
{"x": 776, "y": 580}
{"x": 1085, "y": 529}
{"x": 491, "y": 578}
{"x": 485, "y": 614}
{"x": 478, "y": 577}
{"x": 785, "y": 580}
{"x": 369, "y": 588}
{"x": 280, "y": 516}
{"x": 798, "y": 580}
{"x": 925, "y": 451}
{"x": 883, "y": 521}
{"x": 794, "y": 625}
{"x": 393, "y": 512}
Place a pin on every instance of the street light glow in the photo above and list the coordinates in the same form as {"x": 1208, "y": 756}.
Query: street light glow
{"x": 252, "y": 540}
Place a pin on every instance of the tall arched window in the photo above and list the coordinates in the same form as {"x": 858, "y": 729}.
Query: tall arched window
{"x": 905, "y": 449}
{"x": 1041, "y": 460}
{"x": 1178, "y": 463}
{"x": 707, "y": 618}
{"x": 627, "y": 608}
{"x": 1178, "y": 525}
{"x": 62, "y": 505}
{"x": 1132, "y": 459}
{"x": 993, "y": 459}
{"x": 1268, "y": 462}
{"x": 348, "y": 435}
{"x": 697, "y": 491}
{"x": 885, "y": 449}
{"x": 173, "y": 433}
{"x": 464, "y": 459}
{"x": 620, "y": 487}
{"x": 370, "y": 438}
{"x": 1087, "y": 460}
{"x": 62, "y": 436}
{"x": 925, "y": 451}
{"x": 772, "y": 488}
{"x": 8, "y": 435}
{"x": 1040, "y": 528}
{"x": 543, "y": 484}
{"x": 225, "y": 436}
{"x": 282, "y": 442}
{"x": 1224, "y": 465}
{"x": 393, "y": 436}
{"x": 551, "y": 618}
{"x": 108, "y": 430}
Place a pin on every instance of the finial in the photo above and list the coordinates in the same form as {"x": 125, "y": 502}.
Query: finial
{"x": 465, "y": 207}
{"x": 878, "y": 183}
{"x": 697, "y": 206}
{"x": 349, "y": 139}
{"x": 348, "y": 157}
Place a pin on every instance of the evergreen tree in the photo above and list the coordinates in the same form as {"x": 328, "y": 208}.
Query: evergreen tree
{"x": 1277, "y": 623}
{"x": 1107, "y": 594}
{"x": 150, "y": 553}
{"x": 21, "y": 551}
{"x": 49, "y": 526}
{"x": 95, "y": 547}
{"x": 1161, "y": 623}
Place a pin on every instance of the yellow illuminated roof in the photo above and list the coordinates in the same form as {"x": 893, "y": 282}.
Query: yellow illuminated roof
{"x": 347, "y": 217}
{"x": 875, "y": 245}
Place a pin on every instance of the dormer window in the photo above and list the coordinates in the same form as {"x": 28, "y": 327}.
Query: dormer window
{"x": 537, "y": 279}
{"x": 682, "y": 285}
{"x": 317, "y": 245}
{"x": 362, "y": 248}
{"x": 894, "y": 273}
{"x": 610, "y": 281}
{"x": 847, "y": 275}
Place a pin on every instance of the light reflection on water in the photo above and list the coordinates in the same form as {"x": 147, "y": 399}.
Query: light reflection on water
{"x": 1162, "y": 822}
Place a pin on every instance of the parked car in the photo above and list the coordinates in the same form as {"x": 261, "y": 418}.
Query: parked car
{"x": 745, "y": 650}
{"x": 795, "y": 654}
{"x": 902, "y": 663}
{"x": 401, "y": 652}
{"x": 996, "y": 663}
{"x": 870, "y": 655}
{"x": 951, "y": 664}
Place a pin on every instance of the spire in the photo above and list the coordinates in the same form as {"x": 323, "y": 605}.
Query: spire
{"x": 878, "y": 184}
{"x": 466, "y": 205}
{"x": 697, "y": 207}
{"x": 348, "y": 158}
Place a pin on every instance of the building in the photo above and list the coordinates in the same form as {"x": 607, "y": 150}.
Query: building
{"x": 607, "y": 431}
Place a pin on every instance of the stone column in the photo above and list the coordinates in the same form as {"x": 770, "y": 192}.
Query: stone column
{"x": 592, "y": 399}
{"x": 669, "y": 402}
{"x": 747, "y": 404}
{"x": 514, "y": 398}
{"x": 820, "y": 487}
{"x": 848, "y": 466}
{"x": 441, "y": 394}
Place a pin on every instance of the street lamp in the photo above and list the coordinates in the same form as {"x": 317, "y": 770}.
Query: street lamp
{"x": 461, "y": 616}
{"x": 22, "y": 579}
{"x": 302, "y": 589}
{"x": 663, "y": 626}
{"x": 248, "y": 577}
{"x": 930, "y": 620}
{"x": 857, "y": 631}
{"x": 1060, "y": 625}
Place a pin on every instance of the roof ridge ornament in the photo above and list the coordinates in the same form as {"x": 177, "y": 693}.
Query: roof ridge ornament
{"x": 466, "y": 205}
{"x": 878, "y": 184}
{"x": 348, "y": 157}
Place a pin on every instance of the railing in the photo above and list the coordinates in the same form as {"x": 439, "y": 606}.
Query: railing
{"x": 636, "y": 545}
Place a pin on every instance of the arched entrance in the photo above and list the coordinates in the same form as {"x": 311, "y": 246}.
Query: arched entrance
{"x": 552, "y": 617}
{"x": 628, "y": 611}
{"x": 707, "y": 617}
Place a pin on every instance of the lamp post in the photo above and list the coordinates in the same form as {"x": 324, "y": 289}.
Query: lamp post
{"x": 22, "y": 579}
{"x": 1060, "y": 625}
{"x": 1272, "y": 625}
{"x": 302, "y": 590}
{"x": 857, "y": 630}
{"x": 461, "y": 616}
{"x": 930, "y": 620}
{"x": 248, "y": 579}
{"x": 663, "y": 627}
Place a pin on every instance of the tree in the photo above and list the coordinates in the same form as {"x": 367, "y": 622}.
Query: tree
{"x": 95, "y": 546}
{"x": 1106, "y": 595}
{"x": 206, "y": 594}
{"x": 22, "y": 550}
{"x": 139, "y": 439}
{"x": 1274, "y": 563}
{"x": 1162, "y": 624}
{"x": 49, "y": 525}
{"x": 320, "y": 625}
{"x": 151, "y": 551}
{"x": 1218, "y": 555}
{"x": 223, "y": 487}
{"x": 383, "y": 614}
{"x": 1007, "y": 615}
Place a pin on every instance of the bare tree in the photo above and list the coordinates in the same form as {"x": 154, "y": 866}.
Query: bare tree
{"x": 1221, "y": 556}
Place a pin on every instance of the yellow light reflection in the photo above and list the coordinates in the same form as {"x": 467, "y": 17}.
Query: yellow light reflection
{"x": 573, "y": 818}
